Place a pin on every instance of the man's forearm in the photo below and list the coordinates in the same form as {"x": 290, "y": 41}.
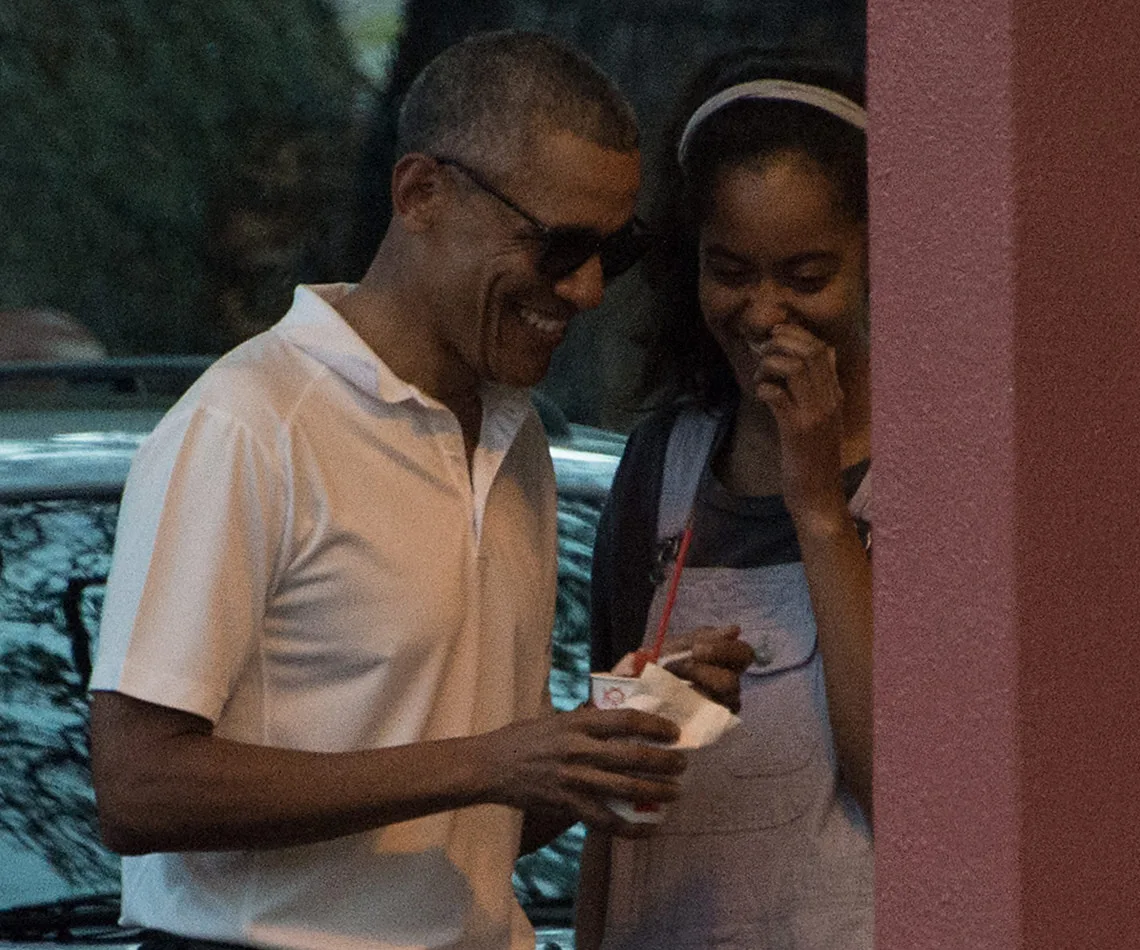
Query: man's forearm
{"x": 165, "y": 787}
{"x": 164, "y": 782}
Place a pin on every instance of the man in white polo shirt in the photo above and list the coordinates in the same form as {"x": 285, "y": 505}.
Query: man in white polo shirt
{"x": 319, "y": 710}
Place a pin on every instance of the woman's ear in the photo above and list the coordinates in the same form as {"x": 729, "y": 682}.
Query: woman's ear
{"x": 418, "y": 189}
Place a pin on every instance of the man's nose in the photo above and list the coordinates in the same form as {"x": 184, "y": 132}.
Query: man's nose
{"x": 585, "y": 286}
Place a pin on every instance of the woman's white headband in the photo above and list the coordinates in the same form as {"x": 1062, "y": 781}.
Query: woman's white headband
{"x": 826, "y": 99}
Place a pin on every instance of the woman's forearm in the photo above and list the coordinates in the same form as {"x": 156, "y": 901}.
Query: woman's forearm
{"x": 839, "y": 578}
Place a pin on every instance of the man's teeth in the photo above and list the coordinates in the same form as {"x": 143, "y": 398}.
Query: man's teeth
{"x": 544, "y": 324}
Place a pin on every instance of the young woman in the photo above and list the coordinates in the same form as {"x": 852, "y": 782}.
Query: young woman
{"x": 757, "y": 467}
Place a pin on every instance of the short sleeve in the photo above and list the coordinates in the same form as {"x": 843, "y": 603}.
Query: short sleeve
{"x": 199, "y": 532}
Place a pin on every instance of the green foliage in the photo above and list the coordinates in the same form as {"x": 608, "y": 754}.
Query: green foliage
{"x": 123, "y": 123}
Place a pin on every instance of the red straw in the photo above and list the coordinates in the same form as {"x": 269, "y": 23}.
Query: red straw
{"x": 644, "y": 656}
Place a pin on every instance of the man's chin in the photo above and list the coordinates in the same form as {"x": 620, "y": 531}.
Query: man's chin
{"x": 521, "y": 375}
{"x": 520, "y": 380}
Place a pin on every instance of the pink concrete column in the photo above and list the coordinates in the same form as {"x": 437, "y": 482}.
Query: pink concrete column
{"x": 1005, "y": 268}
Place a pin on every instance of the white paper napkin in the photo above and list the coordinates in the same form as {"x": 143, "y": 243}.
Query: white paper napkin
{"x": 701, "y": 720}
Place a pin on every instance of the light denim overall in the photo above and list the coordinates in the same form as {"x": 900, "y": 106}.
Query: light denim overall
{"x": 763, "y": 851}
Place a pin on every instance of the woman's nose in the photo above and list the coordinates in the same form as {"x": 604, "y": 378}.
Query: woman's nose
{"x": 765, "y": 308}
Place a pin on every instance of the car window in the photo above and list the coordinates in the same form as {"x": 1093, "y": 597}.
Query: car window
{"x": 53, "y": 560}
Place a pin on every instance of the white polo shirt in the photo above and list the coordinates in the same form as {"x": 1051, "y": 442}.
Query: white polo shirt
{"x": 304, "y": 559}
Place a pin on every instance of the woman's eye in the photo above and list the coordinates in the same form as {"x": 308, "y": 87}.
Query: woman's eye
{"x": 808, "y": 283}
{"x": 727, "y": 274}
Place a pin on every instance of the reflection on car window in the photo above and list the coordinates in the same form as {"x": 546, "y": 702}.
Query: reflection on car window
{"x": 545, "y": 880}
{"x": 55, "y": 556}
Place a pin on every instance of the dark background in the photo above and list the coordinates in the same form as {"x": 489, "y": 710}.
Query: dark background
{"x": 170, "y": 168}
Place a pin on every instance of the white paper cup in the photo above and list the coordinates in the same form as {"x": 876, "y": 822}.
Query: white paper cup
{"x": 615, "y": 692}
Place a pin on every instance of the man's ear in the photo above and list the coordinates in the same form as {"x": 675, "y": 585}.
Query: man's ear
{"x": 418, "y": 190}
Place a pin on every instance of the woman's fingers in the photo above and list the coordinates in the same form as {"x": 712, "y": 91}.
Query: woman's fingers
{"x": 796, "y": 372}
{"x": 714, "y": 661}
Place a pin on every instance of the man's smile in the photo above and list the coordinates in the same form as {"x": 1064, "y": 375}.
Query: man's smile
{"x": 546, "y": 324}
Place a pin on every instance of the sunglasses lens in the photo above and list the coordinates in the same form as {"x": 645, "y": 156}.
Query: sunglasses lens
{"x": 566, "y": 251}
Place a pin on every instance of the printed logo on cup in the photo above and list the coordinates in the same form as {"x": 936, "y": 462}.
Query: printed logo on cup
{"x": 613, "y": 696}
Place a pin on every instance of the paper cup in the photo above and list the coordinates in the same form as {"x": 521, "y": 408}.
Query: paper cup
{"x": 616, "y": 692}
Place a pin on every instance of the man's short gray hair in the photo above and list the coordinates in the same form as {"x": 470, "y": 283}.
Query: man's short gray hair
{"x": 485, "y": 97}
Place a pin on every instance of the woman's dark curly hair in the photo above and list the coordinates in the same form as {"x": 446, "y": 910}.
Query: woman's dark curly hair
{"x": 681, "y": 357}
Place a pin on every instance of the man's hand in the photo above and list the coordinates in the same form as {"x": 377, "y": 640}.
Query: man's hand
{"x": 577, "y": 761}
{"x": 165, "y": 782}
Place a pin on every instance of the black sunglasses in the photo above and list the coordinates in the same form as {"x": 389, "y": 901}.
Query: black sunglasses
{"x": 563, "y": 249}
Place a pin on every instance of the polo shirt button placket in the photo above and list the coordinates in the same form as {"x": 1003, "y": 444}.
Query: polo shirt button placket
{"x": 454, "y": 451}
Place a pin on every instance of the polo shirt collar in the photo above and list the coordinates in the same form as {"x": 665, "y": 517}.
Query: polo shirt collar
{"x": 314, "y": 326}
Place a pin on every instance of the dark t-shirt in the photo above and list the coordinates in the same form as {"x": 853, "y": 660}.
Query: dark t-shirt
{"x": 728, "y": 531}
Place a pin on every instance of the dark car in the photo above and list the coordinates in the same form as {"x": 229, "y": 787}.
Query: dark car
{"x": 67, "y": 437}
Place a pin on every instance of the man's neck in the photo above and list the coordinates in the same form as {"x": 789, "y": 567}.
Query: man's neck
{"x": 388, "y": 321}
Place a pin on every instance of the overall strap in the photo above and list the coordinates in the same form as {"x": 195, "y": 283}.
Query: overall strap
{"x": 860, "y": 503}
{"x": 690, "y": 441}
